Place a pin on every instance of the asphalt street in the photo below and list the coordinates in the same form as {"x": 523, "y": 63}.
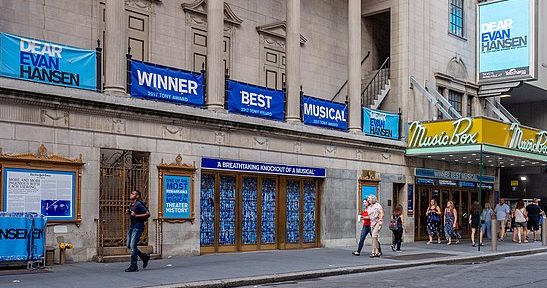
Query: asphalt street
{"x": 517, "y": 271}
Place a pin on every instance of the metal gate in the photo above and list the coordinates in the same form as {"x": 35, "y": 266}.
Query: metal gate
{"x": 121, "y": 172}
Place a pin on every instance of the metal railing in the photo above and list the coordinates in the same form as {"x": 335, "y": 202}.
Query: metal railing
{"x": 376, "y": 84}
{"x": 346, "y": 83}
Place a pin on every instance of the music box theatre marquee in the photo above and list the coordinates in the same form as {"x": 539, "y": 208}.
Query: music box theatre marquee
{"x": 476, "y": 134}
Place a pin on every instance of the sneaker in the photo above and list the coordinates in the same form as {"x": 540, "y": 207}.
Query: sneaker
{"x": 132, "y": 269}
{"x": 428, "y": 242}
{"x": 145, "y": 260}
{"x": 482, "y": 244}
{"x": 393, "y": 247}
{"x": 356, "y": 253}
{"x": 474, "y": 245}
{"x": 439, "y": 241}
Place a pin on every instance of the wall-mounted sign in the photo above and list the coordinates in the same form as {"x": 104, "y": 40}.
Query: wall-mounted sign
{"x": 47, "y": 192}
{"x": 459, "y": 134}
{"x": 324, "y": 113}
{"x": 514, "y": 183}
{"x": 367, "y": 189}
{"x": 161, "y": 83}
{"x": 410, "y": 200}
{"x": 425, "y": 181}
{"x": 453, "y": 175}
{"x": 47, "y": 62}
{"x": 242, "y": 166}
{"x": 450, "y": 183}
{"x": 380, "y": 124}
{"x": 176, "y": 196}
{"x": 256, "y": 101}
{"x": 506, "y": 41}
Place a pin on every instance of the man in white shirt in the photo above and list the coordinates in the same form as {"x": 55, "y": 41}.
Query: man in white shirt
{"x": 502, "y": 212}
{"x": 376, "y": 214}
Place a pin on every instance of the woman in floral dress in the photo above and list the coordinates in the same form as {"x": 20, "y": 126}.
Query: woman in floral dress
{"x": 433, "y": 215}
{"x": 450, "y": 220}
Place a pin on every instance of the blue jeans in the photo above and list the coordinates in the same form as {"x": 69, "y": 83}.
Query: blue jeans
{"x": 133, "y": 237}
{"x": 487, "y": 225}
{"x": 364, "y": 232}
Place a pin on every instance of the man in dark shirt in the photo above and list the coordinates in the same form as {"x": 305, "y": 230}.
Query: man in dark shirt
{"x": 533, "y": 211}
{"x": 138, "y": 215}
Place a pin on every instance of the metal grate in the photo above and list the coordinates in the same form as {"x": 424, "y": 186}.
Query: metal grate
{"x": 121, "y": 172}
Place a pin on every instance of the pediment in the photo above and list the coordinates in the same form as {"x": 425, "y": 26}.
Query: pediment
{"x": 200, "y": 7}
{"x": 278, "y": 29}
{"x": 456, "y": 68}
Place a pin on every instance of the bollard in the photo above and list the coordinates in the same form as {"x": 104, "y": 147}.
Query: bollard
{"x": 544, "y": 232}
{"x": 494, "y": 235}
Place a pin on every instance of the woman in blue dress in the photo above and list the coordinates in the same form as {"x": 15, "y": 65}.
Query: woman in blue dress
{"x": 450, "y": 220}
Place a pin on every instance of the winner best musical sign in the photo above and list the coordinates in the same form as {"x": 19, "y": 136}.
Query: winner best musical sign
{"x": 475, "y": 131}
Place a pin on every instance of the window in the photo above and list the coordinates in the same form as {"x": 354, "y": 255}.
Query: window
{"x": 455, "y": 99}
{"x": 456, "y": 17}
{"x": 274, "y": 66}
{"x": 439, "y": 113}
{"x": 469, "y": 106}
{"x": 199, "y": 50}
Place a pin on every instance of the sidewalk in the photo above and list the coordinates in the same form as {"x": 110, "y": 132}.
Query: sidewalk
{"x": 232, "y": 269}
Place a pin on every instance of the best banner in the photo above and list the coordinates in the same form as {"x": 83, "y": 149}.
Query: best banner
{"x": 166, "y": 84}
{"x": 47, "y": 62}
{"x": 380, "y": 124}
{"x": 324, "y": 113}
{"x": 256, "y": 101}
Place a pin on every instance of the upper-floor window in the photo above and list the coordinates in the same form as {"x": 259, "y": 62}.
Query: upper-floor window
{"x": 455, "y": 99}
{"x": 469, "y": 106}
{"x": 456, "y": 17}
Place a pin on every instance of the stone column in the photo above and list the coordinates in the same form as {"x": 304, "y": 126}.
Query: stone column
{"x": 354, "y": 65}
{"x": 115, "y": 47}
{"x": 215, "y": 67}
{"x": 293, "y": 61}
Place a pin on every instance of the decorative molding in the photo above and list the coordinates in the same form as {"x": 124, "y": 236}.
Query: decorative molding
{"x": 177, "y": 164}
{"x": 456, "y": 68}
{"x": 118, "y": 125}
{"x": 330, "y": 150}
{"x": 359, "y": 154}
{"x": 51, "y": 117}
{"x": 200, "y": 7}
{"x": 173, "y": 132}
{"x": 261, "y": 141}
{"x": 369, "y": 175}
{"x": 272, "y": 41}
{"x": 276, "y": 30}
{"x": 43, "y": 156}
{"x": 298, "y": 147}
{"x": 386, "y": 156}
{"x": 220, "y": 137}
{"x": 145, "y": 5}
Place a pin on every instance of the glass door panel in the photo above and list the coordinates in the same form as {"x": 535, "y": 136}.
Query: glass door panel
{"x": 249, "y": 195}
{"x": 309, "y": 211}
{"x": 464, "y": 212}
{"x": 227, "y": 220}
{"x": 207, "y": 210}
{"x": 268, "y": 226}
{"x": 293, "y": 211}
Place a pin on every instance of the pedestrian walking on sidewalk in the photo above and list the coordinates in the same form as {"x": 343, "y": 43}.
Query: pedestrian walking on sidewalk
{"x": 486, "y": 222}
{"x": 534, "y": 213}
{"x": 376, "y": 213}
{"x": 433, "y": 220}
{"x": 366, "y": 227}
{"x": 138, "y": 216}
{"x": 475, "y": 221}
{"x": 502, "y": 215}
{"x": 520, "y": 221}
{"x": 450, "y": 220}
{"x": 396, "y": 225}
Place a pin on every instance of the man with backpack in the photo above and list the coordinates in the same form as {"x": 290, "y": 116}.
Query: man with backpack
{"x": 138, "y": 215}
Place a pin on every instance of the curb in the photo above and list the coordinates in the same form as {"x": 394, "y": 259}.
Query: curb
{"x": 290, "y": 276}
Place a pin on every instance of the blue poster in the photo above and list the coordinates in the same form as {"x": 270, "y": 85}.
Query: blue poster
{"x": 380, "y": 124}
{"x": 324, "y": 113}
{"x": 176, "y": 197}
{"x": 232, "y": 165}
{"x": 155, "y": 82}
{"x": 47, "y": 62}
{"x": 368, "y": 190}
{"x": 256, "y": 101}
{"x": 22, "y": 236}
{"x": 410, "y": 200}
{"x": 506, "y": 40}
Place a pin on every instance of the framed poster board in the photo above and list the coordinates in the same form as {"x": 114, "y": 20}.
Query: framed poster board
{"x": 368, "y": 185}
{"x": 176, "y": 191}
{"x": 49, "y": 185}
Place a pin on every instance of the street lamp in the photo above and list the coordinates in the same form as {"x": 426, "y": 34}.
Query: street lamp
{"x": 523, "y": 178}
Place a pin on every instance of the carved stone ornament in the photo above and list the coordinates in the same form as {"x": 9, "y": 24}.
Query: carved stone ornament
{"x": 276, "y": 31}
{"x": 200, "y": 7}
{"x": 54, "y": 118}
{"x": 145, "y": 5}
{"x": 220, "y": 137}
{"x": 261, "y": 141}
{"x": 118, "y": 125}
{"x": 297, "y": 147}
{"x": 456, "y": 68}
{"x": 368, "y": 175}
{"x": 177, "y": 164}
{"x": 330, "y": 150}
{"x": 359, "y": 154}
{"x": 41, "y": 155}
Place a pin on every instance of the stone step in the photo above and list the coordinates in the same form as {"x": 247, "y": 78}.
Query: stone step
{"x": 120, "y": 258}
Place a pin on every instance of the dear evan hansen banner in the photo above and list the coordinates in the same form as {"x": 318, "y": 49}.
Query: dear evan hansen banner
{"x": 506, "y": 40}
{"x": 256, "y": 101}
{"x": 380, "y": 124}
{"x": 47, "y": 62}
{"x": 324, "y": 113}
{"x": 155, "y": 82}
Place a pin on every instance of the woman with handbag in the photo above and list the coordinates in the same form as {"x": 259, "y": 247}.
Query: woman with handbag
{"x": 521, "y": 219}
{"x": 450, "y": 222}
{"x": 396, "y": 226}
{"x": 433, "y": 215}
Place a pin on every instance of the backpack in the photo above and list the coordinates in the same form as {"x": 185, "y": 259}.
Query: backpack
{"x": 393, "y": 225}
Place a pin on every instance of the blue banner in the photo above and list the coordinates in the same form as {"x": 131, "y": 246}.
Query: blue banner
{"x": 256, "y": 101}
{"x": 22, "y": 236}
{"x": 231, "y": 165}
{"x": 506, "y": 40}
{"x": 380, "y": 124}
{"x": 166, "y": 84}
{"x": 176, "y": 197}
{"x": 324, "y": 113}
{"x": 47, "y": 62}
{"x": 410, "y": 200}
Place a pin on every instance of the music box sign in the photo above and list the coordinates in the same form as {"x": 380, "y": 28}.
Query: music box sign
{"x": 473, "y": 131}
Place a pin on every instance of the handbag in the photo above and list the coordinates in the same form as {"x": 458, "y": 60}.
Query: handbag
{"x": 393, "y": 225}
{"x": 434, "y": 217}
